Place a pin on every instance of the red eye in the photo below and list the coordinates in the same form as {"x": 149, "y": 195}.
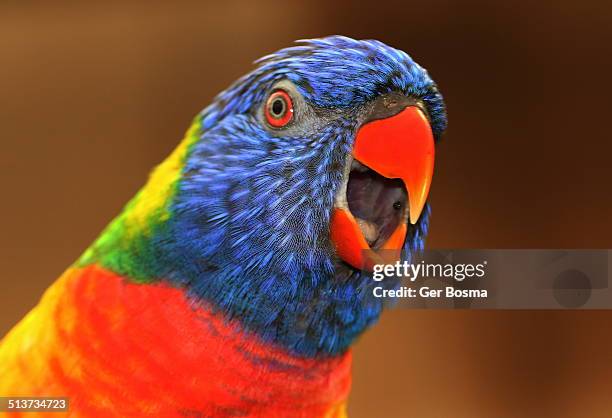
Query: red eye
{"x": 279, "y": 109}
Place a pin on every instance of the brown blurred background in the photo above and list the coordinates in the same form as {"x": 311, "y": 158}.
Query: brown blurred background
{"x": 92, "y": 95}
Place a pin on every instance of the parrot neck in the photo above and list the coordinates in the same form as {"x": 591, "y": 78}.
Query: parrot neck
{"x": 299, "y": 300}
{"x": 138, "y": 345}
{"x": 125, "y": 245}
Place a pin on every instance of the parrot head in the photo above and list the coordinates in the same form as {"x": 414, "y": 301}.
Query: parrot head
{"x": 287, "y": 189}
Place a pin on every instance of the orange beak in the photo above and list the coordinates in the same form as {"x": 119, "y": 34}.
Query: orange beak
{"x": 402, "y": 147}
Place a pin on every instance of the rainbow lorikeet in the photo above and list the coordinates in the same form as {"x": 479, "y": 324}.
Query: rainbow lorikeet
{"x": 235, "y": 281}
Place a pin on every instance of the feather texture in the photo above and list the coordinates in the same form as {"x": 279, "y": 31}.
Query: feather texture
{"x": 217, "y": 291}
{"x": 119, "y": 348}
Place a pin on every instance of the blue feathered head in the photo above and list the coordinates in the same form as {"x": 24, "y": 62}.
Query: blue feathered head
{"x": 278, "y": 193}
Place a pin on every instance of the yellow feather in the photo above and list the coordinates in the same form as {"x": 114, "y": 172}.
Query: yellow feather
{"x": 160, "y": 186}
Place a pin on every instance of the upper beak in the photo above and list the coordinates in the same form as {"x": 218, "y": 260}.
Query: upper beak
{"x": 400, "y": 146}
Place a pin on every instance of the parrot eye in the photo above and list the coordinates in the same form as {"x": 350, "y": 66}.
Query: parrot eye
{"x": 279, "y": 109}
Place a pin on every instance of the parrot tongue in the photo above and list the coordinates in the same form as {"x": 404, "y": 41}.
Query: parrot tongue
{"x": 377, "y": 203}
{"x": 385, "y": 188}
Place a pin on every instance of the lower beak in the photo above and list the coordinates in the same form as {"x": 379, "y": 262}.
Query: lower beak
{"x": 402, "y": 147}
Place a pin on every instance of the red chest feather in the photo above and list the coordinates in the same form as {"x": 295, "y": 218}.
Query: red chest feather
{"x": 135, "y": 350}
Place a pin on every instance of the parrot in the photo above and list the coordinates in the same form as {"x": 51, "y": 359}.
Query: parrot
{"x": 236, "y": 280}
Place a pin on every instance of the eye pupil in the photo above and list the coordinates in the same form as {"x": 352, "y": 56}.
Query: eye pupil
{"x": 278, "y": 107}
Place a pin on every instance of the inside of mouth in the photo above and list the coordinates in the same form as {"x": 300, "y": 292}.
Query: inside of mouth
{"x": 378, "y": 203}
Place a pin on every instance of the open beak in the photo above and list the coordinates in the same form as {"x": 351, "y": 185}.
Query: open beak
{"x": 386, "y": 187}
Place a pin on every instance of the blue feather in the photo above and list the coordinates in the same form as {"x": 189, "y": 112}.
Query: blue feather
{"x": 249, "y": 230}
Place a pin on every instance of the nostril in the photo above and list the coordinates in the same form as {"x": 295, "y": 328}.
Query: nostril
{"x": 391, "y": 103}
